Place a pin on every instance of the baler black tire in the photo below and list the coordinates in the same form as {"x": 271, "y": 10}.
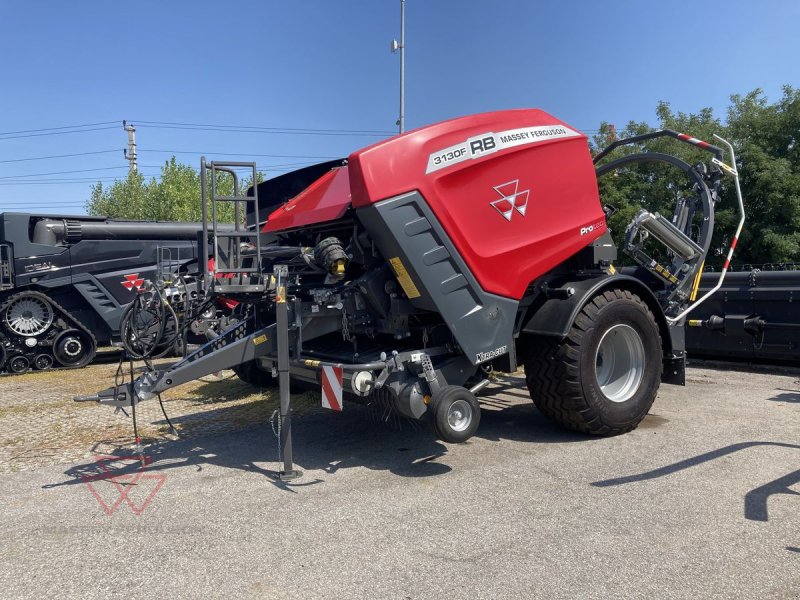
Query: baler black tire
{"x": 439, "y": 409}
{"x": 250, "y": 372}
{"x": 561, "y": 374}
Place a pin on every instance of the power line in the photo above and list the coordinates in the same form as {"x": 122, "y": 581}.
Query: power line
{"x": 76, "y": 177}
{"x": 53, "y": 202}
{"x": 66, "y": 172}
{"x": 105, "y": 125}
{"x": 265, "y": 129}
{"x": 287, "y": 132}
{"x": 309, "y": 130}
{"x": 78, "y": 209}
{"x": 61, "y": 181}
{"x": 27, "y": 208}
{"x": 16, "y": 182}
{"x": 11, "y": 160}
{"x": 6, "y": 177}
{"x": 13, "y": 137}
{"x": 238, "y": 154}
{"x": 55, "y": 128}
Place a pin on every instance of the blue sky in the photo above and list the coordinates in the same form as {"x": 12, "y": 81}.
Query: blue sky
{"x": 326, "y": 65}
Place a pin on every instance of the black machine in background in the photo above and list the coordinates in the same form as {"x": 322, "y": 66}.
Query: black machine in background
{"x": 754, "y": 316}
{"x": 66, "y": 281}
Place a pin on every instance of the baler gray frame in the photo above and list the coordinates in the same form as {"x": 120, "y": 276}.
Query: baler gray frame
{"x": 249, "y": 340}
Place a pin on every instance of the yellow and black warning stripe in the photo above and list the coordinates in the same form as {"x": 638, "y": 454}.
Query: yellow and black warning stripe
{"x": 665, "y": 273}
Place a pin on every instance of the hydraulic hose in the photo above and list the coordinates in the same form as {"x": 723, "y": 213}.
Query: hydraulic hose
{"x": 143, "y": 325}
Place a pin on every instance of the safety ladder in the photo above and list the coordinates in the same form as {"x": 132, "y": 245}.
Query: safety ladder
{"x": 236, "y": 254}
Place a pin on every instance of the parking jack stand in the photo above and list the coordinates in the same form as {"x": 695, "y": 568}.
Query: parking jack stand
{"x": 282, "y": 330}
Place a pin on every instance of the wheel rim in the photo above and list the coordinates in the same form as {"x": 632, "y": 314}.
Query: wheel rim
{"x": 619, "y": 363}
{"x": 459, "y": 415}
{"x": 18, "y": 364}
{"x": 43, "y": 362}
{"x": 29, "y": 316}
{"x": 71, "y": 349}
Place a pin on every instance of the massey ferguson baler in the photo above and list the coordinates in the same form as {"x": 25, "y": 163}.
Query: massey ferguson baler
{"x": 404, "y": 274}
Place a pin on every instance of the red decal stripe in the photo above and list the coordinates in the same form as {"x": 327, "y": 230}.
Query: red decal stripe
{"x": 735, "y": 241}
{"x": 702, "y": 144}
{"x": 727, "y": 264}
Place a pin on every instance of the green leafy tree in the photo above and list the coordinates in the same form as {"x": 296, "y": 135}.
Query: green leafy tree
{"x": 173, "y": 196}
{"x": 765, "y": 137}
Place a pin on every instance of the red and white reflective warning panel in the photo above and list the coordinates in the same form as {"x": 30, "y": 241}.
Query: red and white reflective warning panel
{"x": 332, "y": 388}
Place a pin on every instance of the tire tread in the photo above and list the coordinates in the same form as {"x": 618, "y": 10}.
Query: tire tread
{"x": 552, "y": 370}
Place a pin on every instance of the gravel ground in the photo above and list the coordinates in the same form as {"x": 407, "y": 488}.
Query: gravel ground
{"x": 40, "y": 424}
{"x": 701, "y": 501}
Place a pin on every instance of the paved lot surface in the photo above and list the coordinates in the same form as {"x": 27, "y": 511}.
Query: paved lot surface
{"x": 40, "y": 424}
{"x": 702, "y": 501}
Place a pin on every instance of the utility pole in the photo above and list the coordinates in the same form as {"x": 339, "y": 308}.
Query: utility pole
{"x": 401, "y": 46}
{"x": 130, "y": 153}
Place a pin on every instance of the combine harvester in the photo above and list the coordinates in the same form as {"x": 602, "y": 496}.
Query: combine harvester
{"x": 409, "y": 271}
{"x": 66, "y": 283}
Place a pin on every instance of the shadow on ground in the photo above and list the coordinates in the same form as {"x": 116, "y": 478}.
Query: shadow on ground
{"x": 362, "y": 437}
{"x": 786, "y": 396}
{"x": 755, "y": 501}
{"x": 328, "y": 441}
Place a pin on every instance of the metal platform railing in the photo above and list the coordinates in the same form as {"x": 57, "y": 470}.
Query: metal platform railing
{"x": 236, "y": 254}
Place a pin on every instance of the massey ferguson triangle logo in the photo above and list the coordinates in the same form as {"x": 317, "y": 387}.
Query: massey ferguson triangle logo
{"x": 511, "y": 199}
{"x": 132, "y": 281}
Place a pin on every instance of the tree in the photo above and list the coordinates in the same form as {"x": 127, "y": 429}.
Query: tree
{"x": 765, "y": 137}
{"x": 174, "y": 196}
{"x": 767, "y": 143}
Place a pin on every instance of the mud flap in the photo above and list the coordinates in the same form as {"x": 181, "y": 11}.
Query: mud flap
{"x": 674, "y": 371}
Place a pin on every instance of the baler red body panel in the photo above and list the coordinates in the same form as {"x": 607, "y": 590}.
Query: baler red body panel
{"x": 515, "y": 191}
{"x": 327, "y": 199}
{"x": 562, "y": 213}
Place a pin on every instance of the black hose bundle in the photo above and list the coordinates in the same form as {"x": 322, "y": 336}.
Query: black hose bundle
{"x": 149, "y": 327}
